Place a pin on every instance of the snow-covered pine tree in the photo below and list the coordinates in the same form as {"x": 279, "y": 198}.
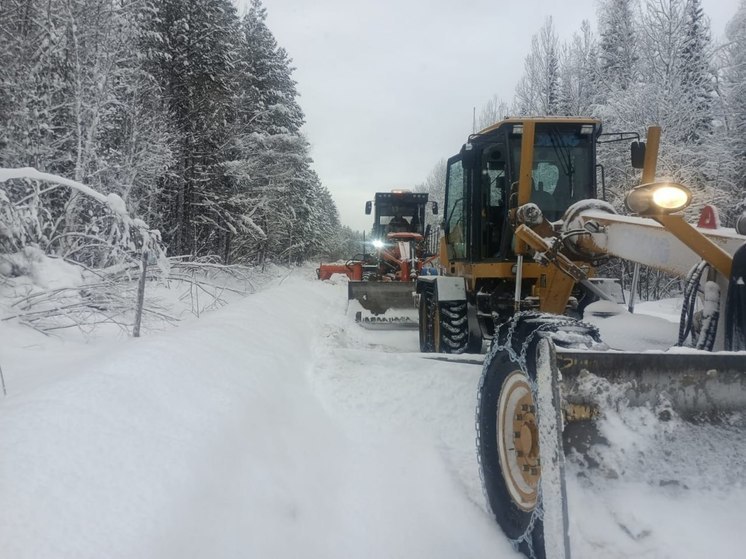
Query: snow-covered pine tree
{"x": 320, "y": 235}
{"x": 76, "y": 103}
{"x": 34, "y": 89}
{"x": 192, "y": 48}
{"x": 676, "y": 92}
{"x": 271, "y": 165}
{"x": 537, "y": 92}
{"x": 618, "y": 47}
{"x": 348, "y": 244}
{"x": 274, "y": 108}
{"x": 697, "y": 77}
{"x": 734, "y": 78}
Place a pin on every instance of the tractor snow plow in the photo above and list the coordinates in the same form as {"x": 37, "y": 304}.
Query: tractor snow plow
{"x": 381, "y": 291}
{"x": 383, "y": 305}
{"x": 524, "y": 233}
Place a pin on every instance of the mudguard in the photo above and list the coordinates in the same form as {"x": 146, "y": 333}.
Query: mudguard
{"x": 448, "y": 288}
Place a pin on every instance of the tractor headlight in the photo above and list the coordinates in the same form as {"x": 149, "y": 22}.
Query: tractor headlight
{"x": 658, "y": 198}
{"x": 378, "y": 243}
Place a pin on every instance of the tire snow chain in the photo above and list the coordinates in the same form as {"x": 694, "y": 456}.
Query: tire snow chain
{"x": 551, "y": 324}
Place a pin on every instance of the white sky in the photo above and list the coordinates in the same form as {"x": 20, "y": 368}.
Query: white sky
{"x": 388, "y": 86}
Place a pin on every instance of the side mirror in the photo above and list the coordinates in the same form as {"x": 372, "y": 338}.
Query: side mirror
{"x": 368, "y": 207}
{"x": 435, "y": 208}
{"x": 637, "y": 150}
{"x": 468, "y": 156}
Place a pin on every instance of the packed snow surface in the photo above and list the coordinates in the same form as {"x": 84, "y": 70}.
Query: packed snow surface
{"x": 277, "y": 427}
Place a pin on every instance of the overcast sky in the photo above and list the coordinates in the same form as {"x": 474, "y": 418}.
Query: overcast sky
{"x": 388, "y": 86}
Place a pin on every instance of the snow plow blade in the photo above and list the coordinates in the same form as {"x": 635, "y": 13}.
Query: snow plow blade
{"x": 550, "y": 388}
{"x": 383, "y": 305}
{"x": 695, "y": 386}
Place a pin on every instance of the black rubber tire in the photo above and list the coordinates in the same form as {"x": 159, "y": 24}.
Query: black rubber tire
{"x": 513, "y": 520}
{"x": 426, "y": 322}
{"x": 452, "y": 331}
{"x": 498, "y": 368}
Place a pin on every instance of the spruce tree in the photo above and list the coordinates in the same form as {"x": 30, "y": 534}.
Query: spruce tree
{"x": 696, "y": 74}
{"x": 618, "y": 47}
{"x": 735, "y": 92}
{"x": 272, "y": 164}
{"x": 193, "y": 48}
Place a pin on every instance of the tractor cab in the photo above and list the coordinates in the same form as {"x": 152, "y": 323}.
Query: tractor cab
{"x": 550, "y": 162}
{"x": 398, "y": 211}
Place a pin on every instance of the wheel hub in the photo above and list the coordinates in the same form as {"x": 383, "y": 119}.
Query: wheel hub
{"x": 518, "y": 440}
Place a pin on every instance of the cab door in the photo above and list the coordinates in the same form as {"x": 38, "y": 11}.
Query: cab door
{"x": 456, "y": 223}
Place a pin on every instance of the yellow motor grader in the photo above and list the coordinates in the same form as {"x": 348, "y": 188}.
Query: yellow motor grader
{"x": 524, "y": 231}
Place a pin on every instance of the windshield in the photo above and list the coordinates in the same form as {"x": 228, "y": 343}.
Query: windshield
{"x": 562, "y": 167}
{"x": 399, "y": 216}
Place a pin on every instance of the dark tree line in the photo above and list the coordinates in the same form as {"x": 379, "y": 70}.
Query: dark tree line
{"x": 186, "y": 110}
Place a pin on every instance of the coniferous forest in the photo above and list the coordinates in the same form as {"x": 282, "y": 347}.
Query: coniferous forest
{"x": 182, "y": 108}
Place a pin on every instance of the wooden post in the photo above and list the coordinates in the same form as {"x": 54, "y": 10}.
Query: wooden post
{"x": 140, "y": 295}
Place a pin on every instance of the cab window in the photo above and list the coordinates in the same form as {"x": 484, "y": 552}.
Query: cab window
{"x": 562, "y": 170}
{"x": 454, "y": 218}
{"x": 493, "y": 194}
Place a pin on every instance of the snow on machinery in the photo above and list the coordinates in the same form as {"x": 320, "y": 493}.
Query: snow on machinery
{"x": 523, "y": 234}
{"x": 384, "y": 294}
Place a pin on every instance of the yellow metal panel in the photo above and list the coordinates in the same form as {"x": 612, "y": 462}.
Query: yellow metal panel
{"x": 651, "y": 154}
{"x": 495, "y": 270}
{"x": 557, "y": 293}
{"x": 525, "y": 177}
{"x": 704, "y": 247}
{"x": 525, "y": 181}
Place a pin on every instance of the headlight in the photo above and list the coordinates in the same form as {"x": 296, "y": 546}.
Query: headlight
{"x": 671, "y": 198}
{"x": 378, "y": 243}
{"x": 658, "y": 198}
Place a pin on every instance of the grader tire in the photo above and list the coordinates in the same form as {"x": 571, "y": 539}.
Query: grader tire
{"x": 509, "y": 452}
{"x": 508, "y": 422}
{"x": 451, "y": 332}
{"x": 426, "y": 309}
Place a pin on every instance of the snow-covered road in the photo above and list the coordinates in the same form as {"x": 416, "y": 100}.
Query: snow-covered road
{"x": 276, "y": 427}
{"x": 272, "y": 428}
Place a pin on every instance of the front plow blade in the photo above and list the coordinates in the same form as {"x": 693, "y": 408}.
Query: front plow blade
{"x": 694, "y": 385}
{"x": 550, "y": 386}
{"x": 383, "y": 305}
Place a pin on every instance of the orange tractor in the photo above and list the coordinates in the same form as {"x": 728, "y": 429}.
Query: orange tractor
{"x": 382, "y": 283}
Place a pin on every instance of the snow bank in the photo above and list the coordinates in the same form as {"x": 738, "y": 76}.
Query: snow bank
{"x": 638, "y": 331}
{"x": 31, "y": 267}
{"x": 664, "y": 489}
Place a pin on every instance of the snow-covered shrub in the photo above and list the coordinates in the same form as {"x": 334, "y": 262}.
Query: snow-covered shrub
{"x": 69, "y": 255}
{"x": 67, "y": 219}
